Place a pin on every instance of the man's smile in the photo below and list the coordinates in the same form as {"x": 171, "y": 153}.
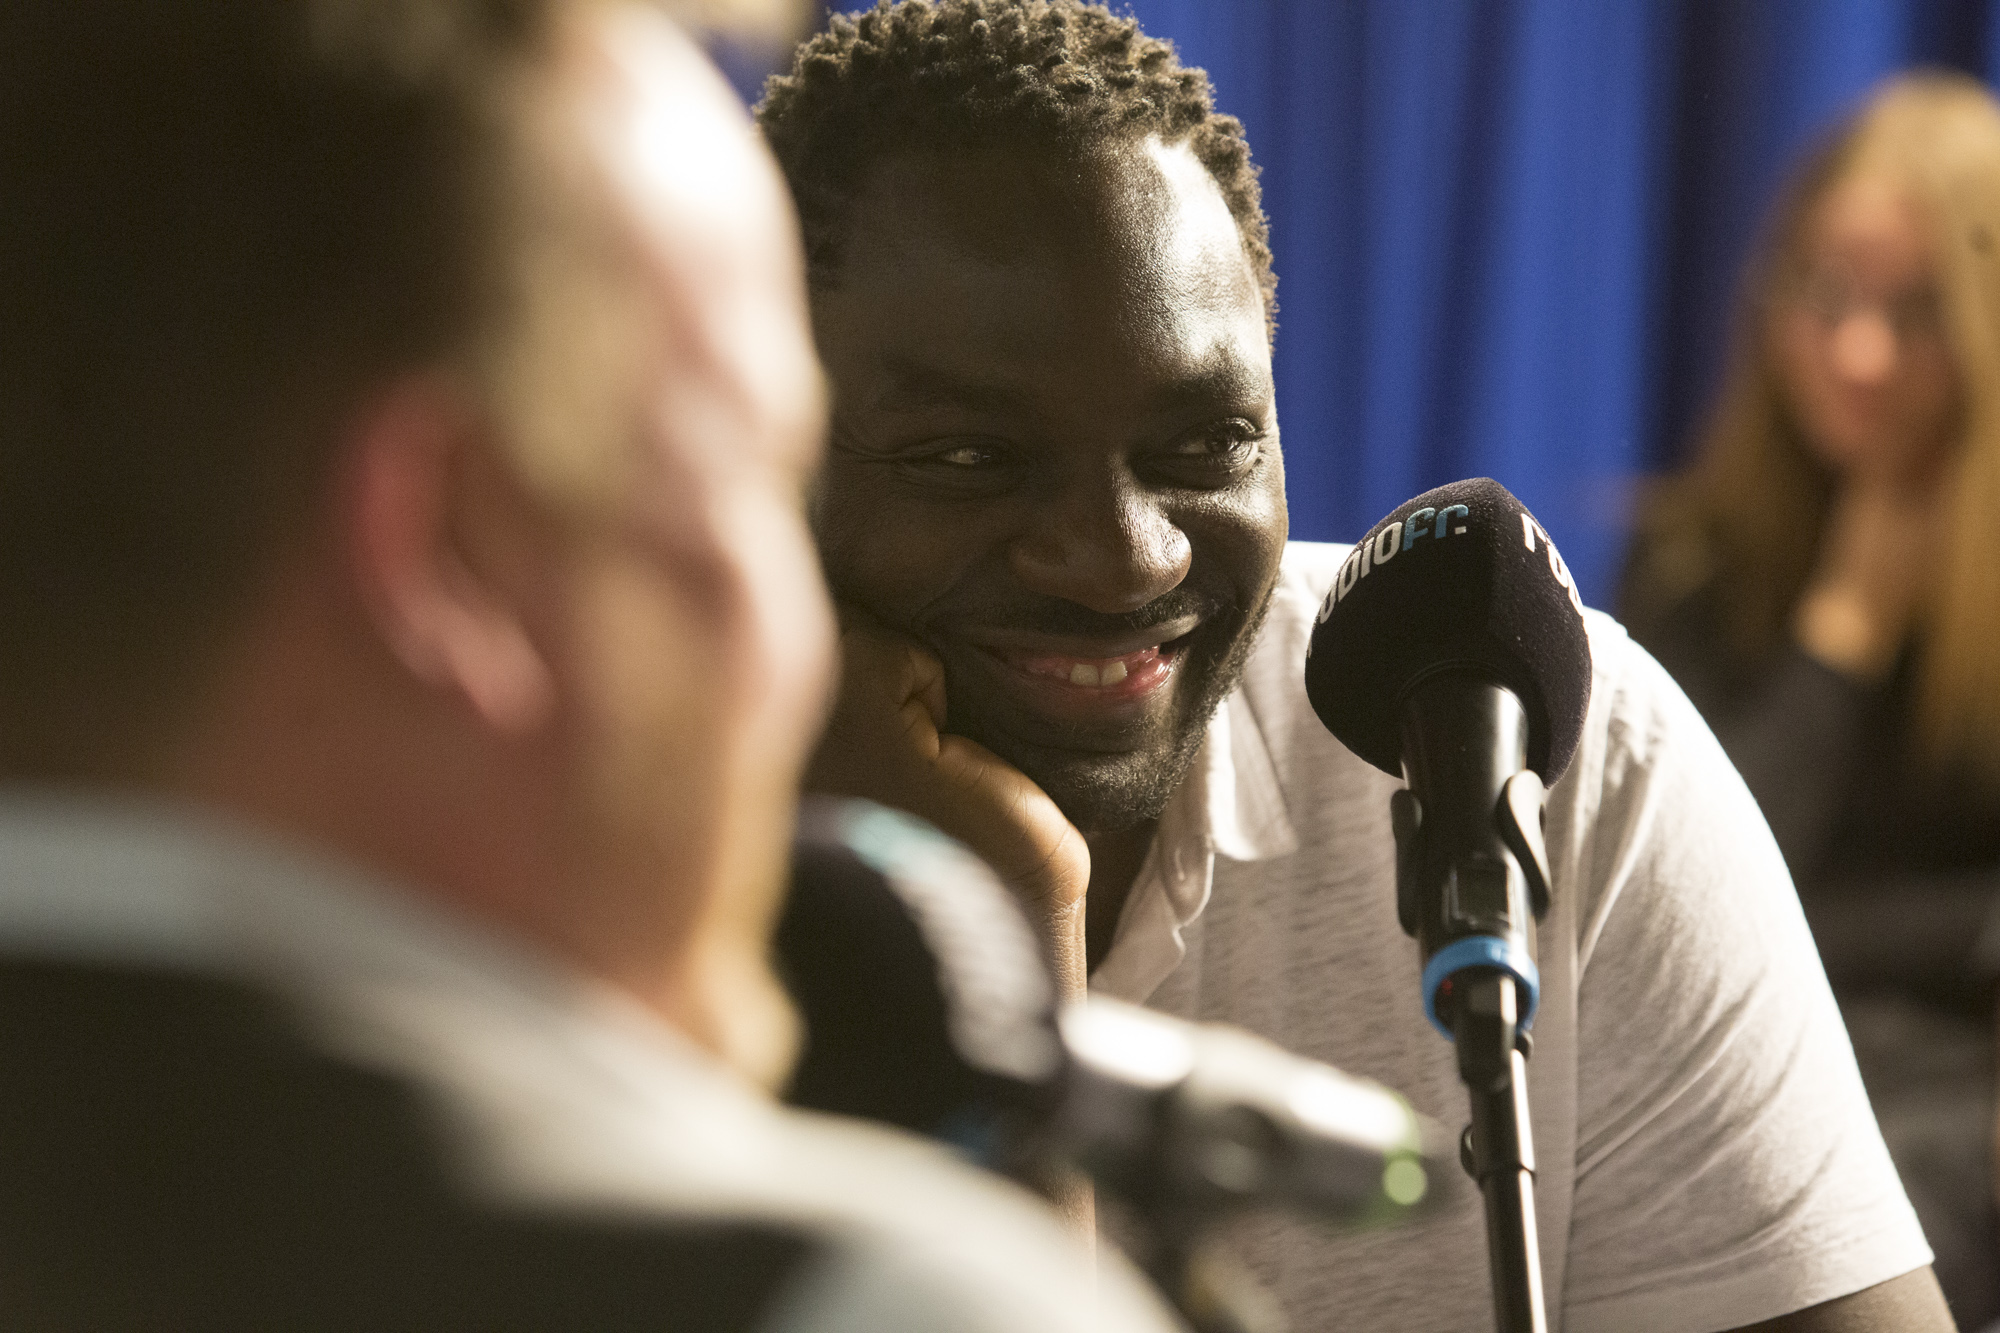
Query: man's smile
{"x": 1109, "y": 680}
{"x": 1125, "y": 674}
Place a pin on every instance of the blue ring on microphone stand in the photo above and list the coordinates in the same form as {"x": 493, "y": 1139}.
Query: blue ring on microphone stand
{"x": 1482, "y": 951}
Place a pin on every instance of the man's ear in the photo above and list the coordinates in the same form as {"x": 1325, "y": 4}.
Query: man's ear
{"x": 420, "y": 511}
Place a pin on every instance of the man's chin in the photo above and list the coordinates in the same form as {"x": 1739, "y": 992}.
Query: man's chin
{"x": 1109, "y": 793}
{"x": 1100, "y": 784}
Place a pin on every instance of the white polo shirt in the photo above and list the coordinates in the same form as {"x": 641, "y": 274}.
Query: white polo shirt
{"x": 1707, "y": 1158}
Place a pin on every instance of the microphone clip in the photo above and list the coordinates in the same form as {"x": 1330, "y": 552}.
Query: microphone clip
{"x": 1472, "y": 877}
{"x": 1517, "y": 818}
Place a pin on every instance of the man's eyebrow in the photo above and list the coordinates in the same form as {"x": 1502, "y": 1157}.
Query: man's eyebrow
{"x": 1223, "y": 380}
{"x": 913, "y": 387}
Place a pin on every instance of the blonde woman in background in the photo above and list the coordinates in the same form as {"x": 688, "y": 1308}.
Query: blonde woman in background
{"x": 1824, "y": 581}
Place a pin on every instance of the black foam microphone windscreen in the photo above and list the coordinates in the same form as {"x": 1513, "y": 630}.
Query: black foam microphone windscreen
{"x": 925, "y": 999}
{"x": 1460, "y": 578}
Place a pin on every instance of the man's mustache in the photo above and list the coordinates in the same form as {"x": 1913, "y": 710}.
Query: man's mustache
{"x": 1056, "y": 616}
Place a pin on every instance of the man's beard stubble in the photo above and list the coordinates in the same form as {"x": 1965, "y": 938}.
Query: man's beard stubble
{"x": 1108, "y": 793}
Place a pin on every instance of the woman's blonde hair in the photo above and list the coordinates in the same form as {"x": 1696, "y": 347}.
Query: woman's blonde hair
{"x": 1747, "y": 515}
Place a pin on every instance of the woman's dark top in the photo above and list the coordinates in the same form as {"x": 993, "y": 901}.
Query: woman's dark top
{"x": 1898, "y": 869}
{"x": 1898, "y": 864}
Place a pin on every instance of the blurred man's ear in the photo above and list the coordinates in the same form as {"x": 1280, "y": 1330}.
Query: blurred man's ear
{"x": 440, "y": 542}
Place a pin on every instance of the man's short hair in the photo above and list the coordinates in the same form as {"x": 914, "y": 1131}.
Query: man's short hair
{"x": 954, "y": 74}
{"x": 222, "y": 220}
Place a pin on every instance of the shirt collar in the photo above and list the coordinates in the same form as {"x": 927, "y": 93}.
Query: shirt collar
{"x": 1240, "y": 798}
{"x": 1231, "y": 805}
{"x": 135, "y": 882}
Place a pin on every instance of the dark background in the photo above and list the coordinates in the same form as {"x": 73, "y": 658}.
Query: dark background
{"x": 1508, "y": 231}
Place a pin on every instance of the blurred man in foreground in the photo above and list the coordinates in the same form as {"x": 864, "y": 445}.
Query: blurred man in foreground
{"x": 412, "y": 641}
{"x": 1055, "y": 504}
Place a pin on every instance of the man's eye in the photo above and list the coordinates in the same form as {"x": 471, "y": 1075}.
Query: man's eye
{"x": 961, "y": 465}
{"x": 966, "y": 455}
{"x": 1228, "y": 447}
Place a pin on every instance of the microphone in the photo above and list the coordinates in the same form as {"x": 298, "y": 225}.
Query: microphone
{"x": 1451, "y": 651}
{"x": 927, "y": 1006}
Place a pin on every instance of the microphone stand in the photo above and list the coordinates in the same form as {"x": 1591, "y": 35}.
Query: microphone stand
{"x": 1471, "y": 880}
{"x": 1498, "y": 1149}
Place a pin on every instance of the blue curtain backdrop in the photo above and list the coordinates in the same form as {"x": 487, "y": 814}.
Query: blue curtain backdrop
{"x": 1507, "y": 231}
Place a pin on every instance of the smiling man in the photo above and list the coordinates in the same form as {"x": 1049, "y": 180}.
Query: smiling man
{"x": 1074, "y": 629}
{"x": 1091, "y": 605}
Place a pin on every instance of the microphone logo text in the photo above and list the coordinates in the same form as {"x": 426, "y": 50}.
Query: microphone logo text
{"x": 1394, "y": 538}
{"x": 1435, "y": 525}
{"x": 1530, "y": 530}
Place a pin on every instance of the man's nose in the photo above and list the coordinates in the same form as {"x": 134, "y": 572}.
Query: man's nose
{"x": 1108, "y": 546}
{"x": 1863, "y": 347}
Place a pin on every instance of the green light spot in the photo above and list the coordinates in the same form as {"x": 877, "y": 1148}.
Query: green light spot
{"x": 1404, "y": 1181}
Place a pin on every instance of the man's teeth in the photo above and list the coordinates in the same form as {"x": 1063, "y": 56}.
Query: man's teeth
{"x": 1092, "y": 673}
{"x": 1083, "y": 673}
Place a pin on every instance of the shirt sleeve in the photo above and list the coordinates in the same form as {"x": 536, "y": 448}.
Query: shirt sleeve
{"x": 1728, "y": 1168}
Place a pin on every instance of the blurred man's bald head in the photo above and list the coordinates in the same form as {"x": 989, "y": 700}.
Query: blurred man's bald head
{"x": 405, "y": 411}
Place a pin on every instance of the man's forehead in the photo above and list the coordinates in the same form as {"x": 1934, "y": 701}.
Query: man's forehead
{"x": 1115, "y": 200}
{"x": 1001, "y": 255}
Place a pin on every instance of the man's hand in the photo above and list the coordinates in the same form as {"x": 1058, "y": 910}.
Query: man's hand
{"x": 886, "y": 743}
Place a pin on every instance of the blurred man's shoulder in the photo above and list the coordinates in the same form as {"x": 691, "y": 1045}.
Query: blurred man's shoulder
{"x": 925, "y": 1241}
{"x": 177, "y": 1143}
